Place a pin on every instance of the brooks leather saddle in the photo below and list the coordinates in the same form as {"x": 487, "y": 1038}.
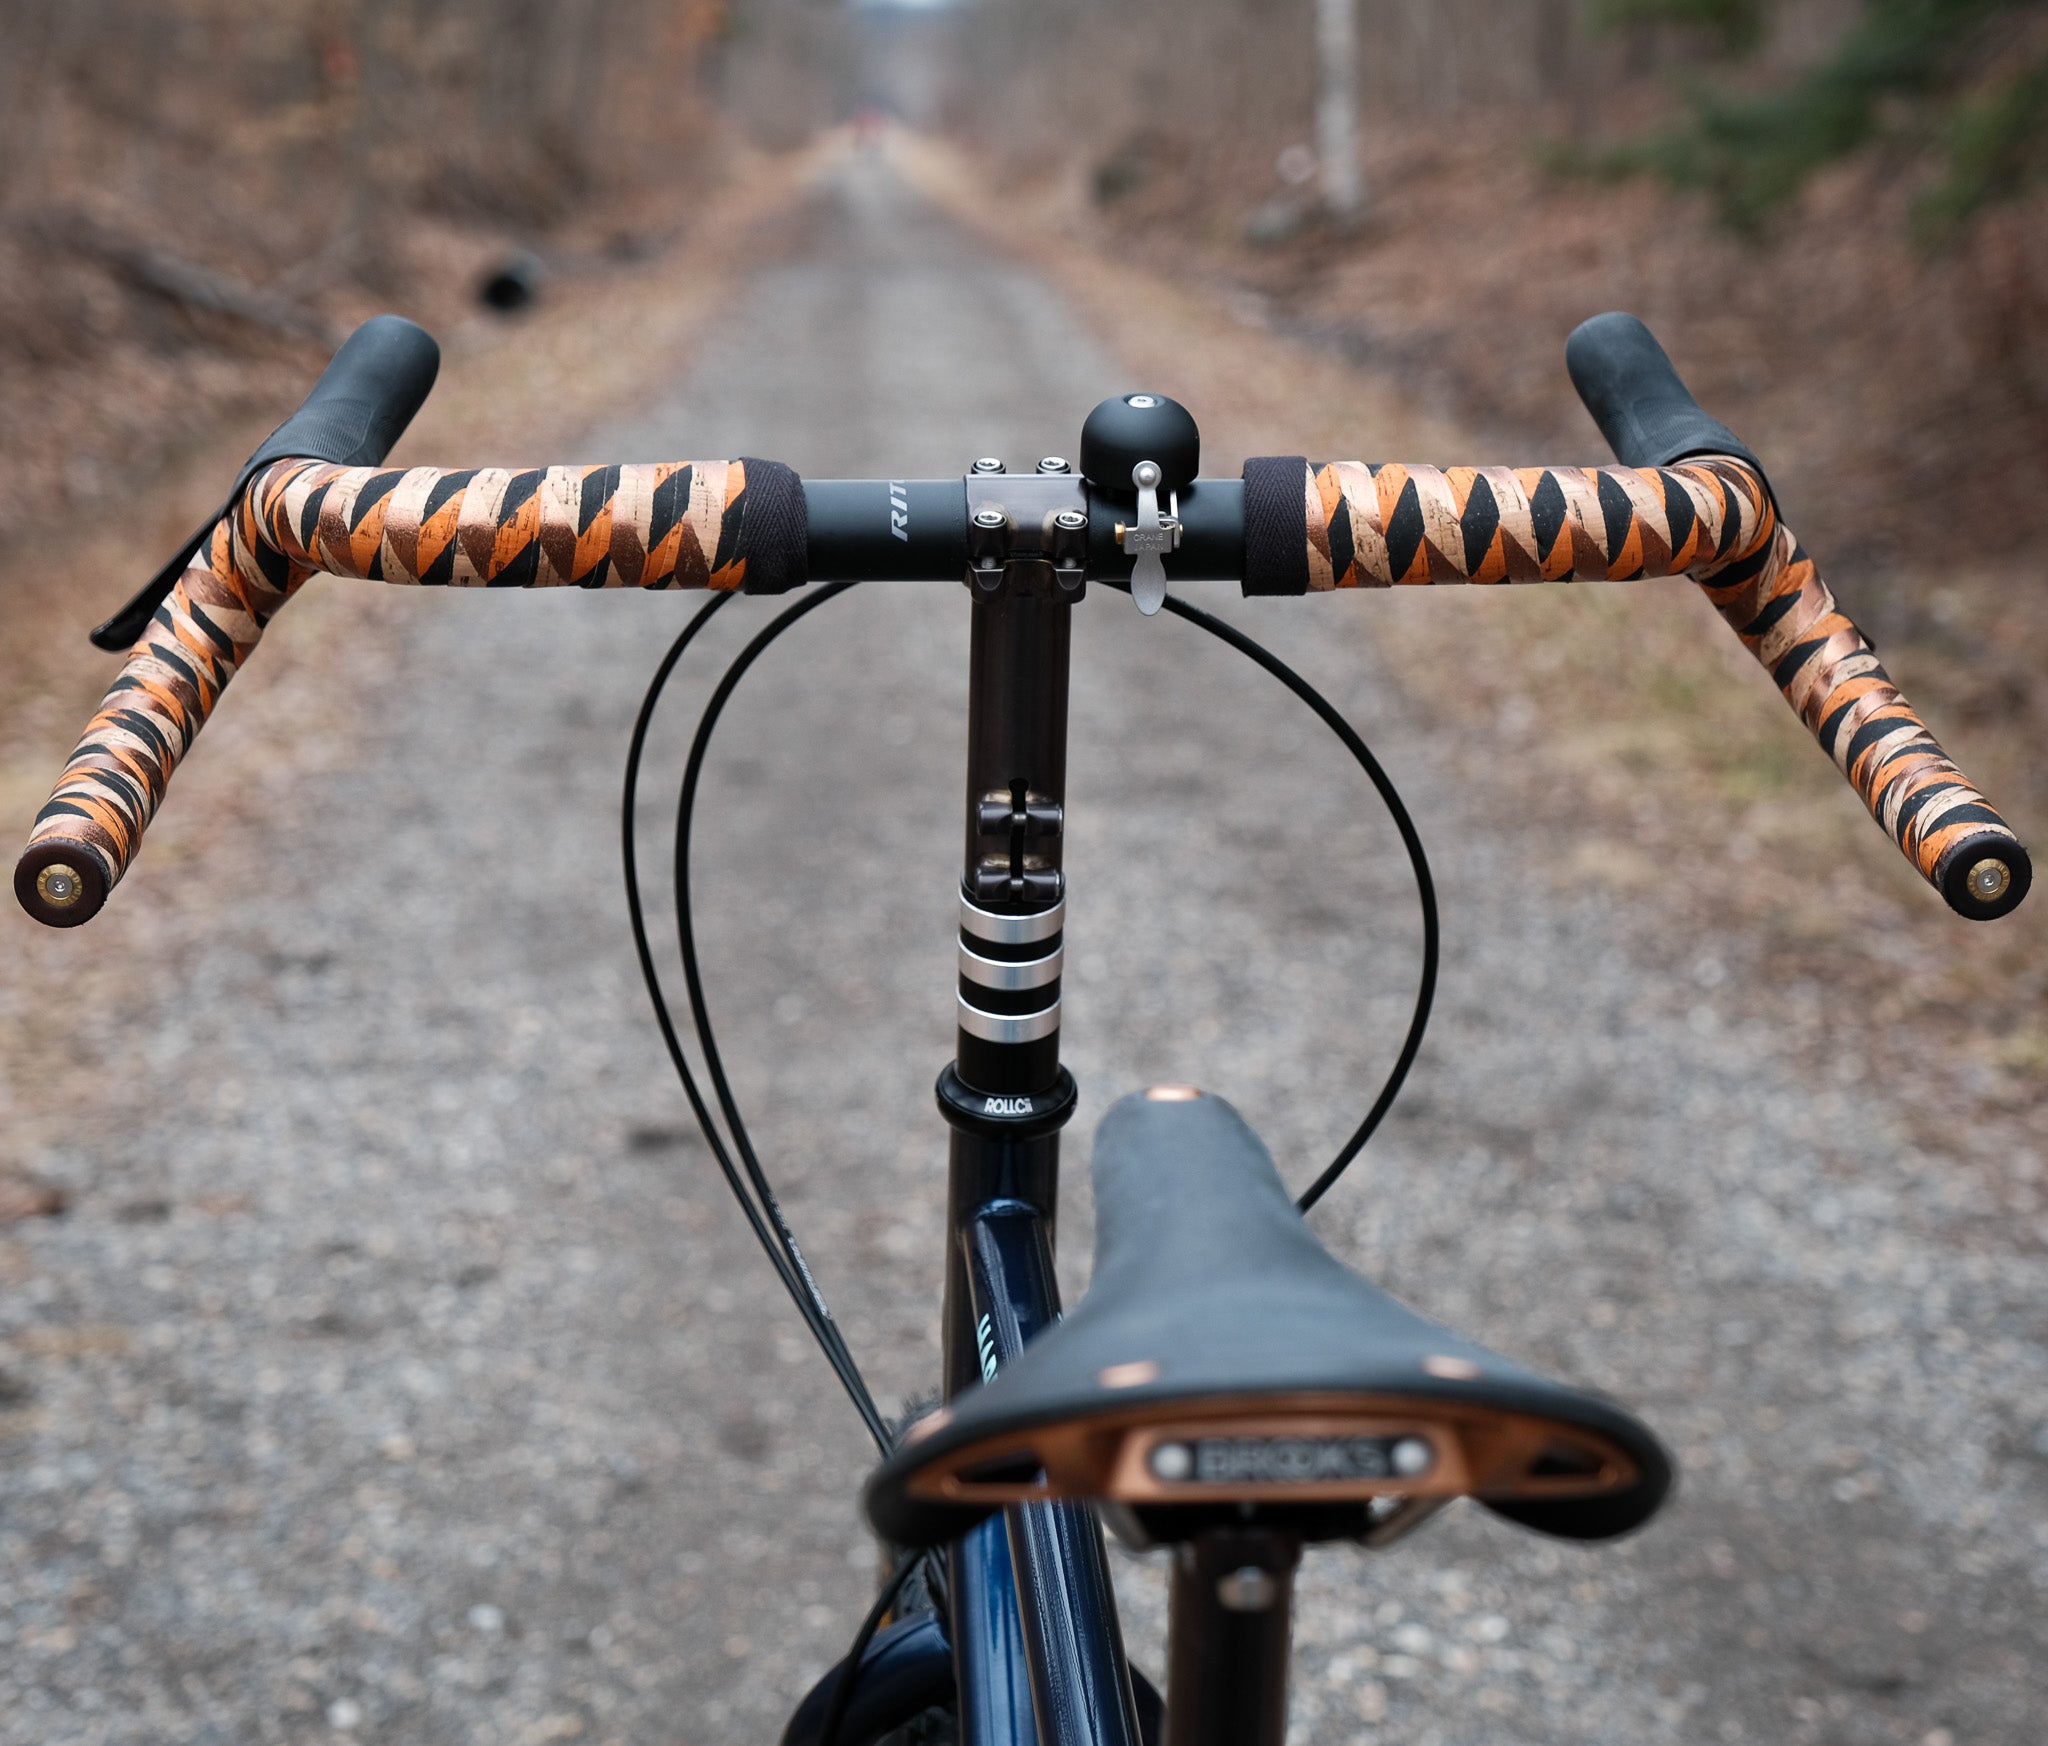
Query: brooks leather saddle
{"x": 1224, "y": 1363}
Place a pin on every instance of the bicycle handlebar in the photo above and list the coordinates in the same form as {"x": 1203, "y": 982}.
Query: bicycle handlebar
{"x": 1689, "y": 499}
{"x": 372, "y": 388}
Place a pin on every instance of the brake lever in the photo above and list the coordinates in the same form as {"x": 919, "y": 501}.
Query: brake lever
{"x": 367, "y": 395}
{"x": 120, "y": 631}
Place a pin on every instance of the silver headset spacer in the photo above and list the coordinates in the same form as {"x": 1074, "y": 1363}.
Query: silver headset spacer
{"x": 1007, "y": 974}
{"x": 994, "y": 1027}
{"x": 1011, "y": 930}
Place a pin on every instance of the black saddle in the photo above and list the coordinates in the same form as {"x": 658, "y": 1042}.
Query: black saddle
{"x": 1223, "y": 1358}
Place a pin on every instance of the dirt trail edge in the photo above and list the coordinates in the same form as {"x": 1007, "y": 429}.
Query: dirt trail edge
{"x": 402, "y": 1372}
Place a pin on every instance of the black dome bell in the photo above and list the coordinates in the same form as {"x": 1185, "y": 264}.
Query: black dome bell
{"x": 1140, "y": 427}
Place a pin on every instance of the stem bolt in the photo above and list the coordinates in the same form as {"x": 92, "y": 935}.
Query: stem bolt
{"x": 988, "y": 464}
{"x": 1072, "y": 520}
{"x": 990, "y": 518}
{"x": 1249, "y": 1590}
{"x": 1055, "y": 464}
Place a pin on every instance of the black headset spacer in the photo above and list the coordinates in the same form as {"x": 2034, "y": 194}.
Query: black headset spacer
{"x": 1004, "y": 1116}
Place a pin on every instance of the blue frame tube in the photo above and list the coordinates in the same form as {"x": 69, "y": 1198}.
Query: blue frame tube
{"x": 1072, "y": 1648}
{"x": 992, "y": 1677}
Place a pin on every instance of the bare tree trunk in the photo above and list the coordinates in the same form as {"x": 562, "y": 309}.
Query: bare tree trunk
{"x": 349, "y": 244}
{"x": 1337, "y": 108}
{"x": 35, "y": 44}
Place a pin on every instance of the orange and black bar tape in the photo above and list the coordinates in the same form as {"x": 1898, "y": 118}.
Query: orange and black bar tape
{"x": 741, "y": 524}
{"x": 697, "y": 524}
{"x": 1376, "y": 527}
{"x": 1786, "y": 615}
{"x": 88, "y": 832}
{"x": 1710, "y": 518}
{"x": 662, "y": 525}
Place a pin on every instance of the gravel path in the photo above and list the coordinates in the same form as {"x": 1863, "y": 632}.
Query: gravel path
{"x": 407, "y": 1376}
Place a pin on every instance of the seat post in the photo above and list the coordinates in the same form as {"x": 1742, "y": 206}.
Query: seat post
{"x": 1229, "y": 1630}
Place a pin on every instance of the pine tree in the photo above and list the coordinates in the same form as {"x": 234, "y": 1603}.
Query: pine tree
{"x": 1960, "y": 83}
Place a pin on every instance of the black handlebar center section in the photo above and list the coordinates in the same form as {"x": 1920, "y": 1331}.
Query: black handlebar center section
{"x": 895, "y": 530}
{"x": 915, "y": 530}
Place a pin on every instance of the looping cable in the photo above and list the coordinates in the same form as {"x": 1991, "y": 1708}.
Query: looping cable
{"x": 745, "y": 1176}
{"x": 737, "y": 1161}
{"x": 1418, "y": 861}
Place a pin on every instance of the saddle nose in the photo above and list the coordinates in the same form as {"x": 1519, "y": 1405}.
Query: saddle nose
{"x": 1223, "y": 1356}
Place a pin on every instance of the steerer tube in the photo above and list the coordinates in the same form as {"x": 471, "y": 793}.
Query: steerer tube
{"x": 1012, "y": 886}
{"x": 1006, "y": 1095}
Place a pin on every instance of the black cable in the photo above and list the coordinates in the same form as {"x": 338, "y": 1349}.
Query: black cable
{"x": 802, "y": 1290}
{"x": 826, "y": 1329}
{"x": 1425, "y": 886}
{"x": 848, "y": 1681}
{"x": 770, "y": 1227}
{"x": 647, "y": 969}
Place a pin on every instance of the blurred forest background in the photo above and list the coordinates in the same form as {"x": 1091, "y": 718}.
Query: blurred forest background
{"x": 1836, "y": 225}
{"x": 195, "y": 195}
{"x": 1832, "y": 211}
